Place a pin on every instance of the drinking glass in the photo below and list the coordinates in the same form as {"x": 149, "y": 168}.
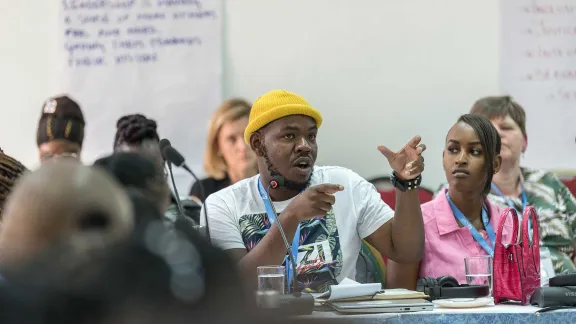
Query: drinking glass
{"x": 479, "y": 270}
{"x": 271, "y": 278}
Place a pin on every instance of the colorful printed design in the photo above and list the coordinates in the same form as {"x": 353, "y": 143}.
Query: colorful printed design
{"x": 319, "y": 254}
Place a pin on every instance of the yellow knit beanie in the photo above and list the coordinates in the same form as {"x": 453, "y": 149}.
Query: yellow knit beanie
{"x": 275, "y": 105}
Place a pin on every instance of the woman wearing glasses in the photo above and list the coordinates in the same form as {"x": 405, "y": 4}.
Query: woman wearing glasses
{"x": 60, "y": 129}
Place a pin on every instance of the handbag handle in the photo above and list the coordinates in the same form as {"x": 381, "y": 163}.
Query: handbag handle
{"x": 503, "y": 217}
{"x": 530, "y": 214}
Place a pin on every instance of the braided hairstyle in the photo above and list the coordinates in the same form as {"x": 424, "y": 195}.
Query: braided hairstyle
{"x": 10, "y": 171}
{"x": 61, "y": 119}
{"x": 133, "y": 130}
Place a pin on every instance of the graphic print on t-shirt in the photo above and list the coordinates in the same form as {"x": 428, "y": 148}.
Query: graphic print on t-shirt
{"x": 319, "y": 257}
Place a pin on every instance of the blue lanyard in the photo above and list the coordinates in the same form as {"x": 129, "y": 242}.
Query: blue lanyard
{"x": 488, "y": 247}
{"x": 272, "y": 218}
{"x": 512, "y": 205}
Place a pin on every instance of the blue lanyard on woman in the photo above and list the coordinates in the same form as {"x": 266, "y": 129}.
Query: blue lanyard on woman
{"x": 488, "y": 247}
{"x": 512, "y": 205}
{"x": 272, "y": 218}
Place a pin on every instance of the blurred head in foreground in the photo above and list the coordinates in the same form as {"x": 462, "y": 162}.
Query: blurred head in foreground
{"x": 63, "y": 203}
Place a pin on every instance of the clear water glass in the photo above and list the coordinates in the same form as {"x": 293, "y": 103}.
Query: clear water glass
{"x": 271, "y": 278}
{"x": 479, "y": 271}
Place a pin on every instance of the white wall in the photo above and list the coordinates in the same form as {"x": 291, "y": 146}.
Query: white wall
{"x": 380, "y": 71}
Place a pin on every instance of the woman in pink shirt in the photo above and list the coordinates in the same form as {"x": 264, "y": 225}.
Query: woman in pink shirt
{"x": 459, "y": 222}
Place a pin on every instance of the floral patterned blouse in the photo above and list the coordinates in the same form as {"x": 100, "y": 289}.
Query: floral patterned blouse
{"x": 556, "y": 209}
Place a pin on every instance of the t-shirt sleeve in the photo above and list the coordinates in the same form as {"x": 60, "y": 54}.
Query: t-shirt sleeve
{"x": 224, "y": 228}
{"x": 372, "y": 211}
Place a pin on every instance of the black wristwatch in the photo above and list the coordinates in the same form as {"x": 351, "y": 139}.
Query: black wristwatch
{"x": 406, "y": 185}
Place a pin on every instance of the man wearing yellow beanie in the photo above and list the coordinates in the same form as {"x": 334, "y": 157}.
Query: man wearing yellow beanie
{"x": 325, "y": 211}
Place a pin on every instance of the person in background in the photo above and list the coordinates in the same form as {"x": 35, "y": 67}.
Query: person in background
{"x": 60, "y": 129}
{"x": 137, "y": 133}
{"x": 134, "y": 170}
{"x": 517, "y": 187}
{"x": 470, "y": 159}
{"x": 62, "y": 203}
{"x": 10, "y": 171}
{"x": 325, "y": 211}
{"x": 227, "y": 159}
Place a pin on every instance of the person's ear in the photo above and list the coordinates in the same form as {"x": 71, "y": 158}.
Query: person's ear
{"x": 525, "y": 145}
{"x": 443, "y": 152}
{"x": 497, "y": 163}
{"x": 256, "y": 144}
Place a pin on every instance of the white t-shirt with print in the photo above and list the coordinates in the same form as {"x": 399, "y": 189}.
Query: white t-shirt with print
{"x": 329, "y": 245}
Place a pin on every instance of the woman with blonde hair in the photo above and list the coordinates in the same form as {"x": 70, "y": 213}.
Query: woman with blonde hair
{"x": 227, "y": 158}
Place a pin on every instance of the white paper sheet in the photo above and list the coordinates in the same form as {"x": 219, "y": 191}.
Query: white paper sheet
{"x": 350, "y": 288}
{"x": 161, "y": 58}
{"x": 538, "y": 68}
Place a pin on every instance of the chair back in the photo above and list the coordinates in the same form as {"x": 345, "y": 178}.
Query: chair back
{"x": 389, "y": 196}
{"x": 571, "y": 185}
{"x": 370, "y": 267}
{"x": 568, "y": 178}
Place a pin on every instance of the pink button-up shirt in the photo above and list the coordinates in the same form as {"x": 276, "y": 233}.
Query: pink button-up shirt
{"x": 447, "y": 244}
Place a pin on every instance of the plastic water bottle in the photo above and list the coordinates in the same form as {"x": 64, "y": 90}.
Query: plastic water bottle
{"x": 546, "y": 266}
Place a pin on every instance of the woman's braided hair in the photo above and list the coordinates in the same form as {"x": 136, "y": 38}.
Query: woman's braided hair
{"x": 61, "y": 119}
{"x": 10, "y": 171}
{"x": 134, "y": 129}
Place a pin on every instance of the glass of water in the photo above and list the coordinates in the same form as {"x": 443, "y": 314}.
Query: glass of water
{"x": 479, "y": 271}
{"x": 271, "y": 278}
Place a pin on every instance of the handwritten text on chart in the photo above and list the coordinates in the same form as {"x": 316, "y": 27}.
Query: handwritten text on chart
{"x": 105, "y": 19}
{"x": 549, "y": 9}
{"x": 551, "y": 52}
{"x": 552, "y": 75}
{"x": 544, "y": 28}
{"x": 76, "y": 47}
{"x": 72, "y": 5}
{"x": 97, "y": 35}
{"x": 563, "y": 95}
{"x": 548, "y": 49}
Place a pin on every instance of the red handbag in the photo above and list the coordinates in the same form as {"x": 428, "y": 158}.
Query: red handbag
{"x": 517, "y": 264}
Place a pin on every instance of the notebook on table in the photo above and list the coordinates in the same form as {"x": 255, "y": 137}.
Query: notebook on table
{"x": 382, "y": 306}
{"x": 349, "y": 290}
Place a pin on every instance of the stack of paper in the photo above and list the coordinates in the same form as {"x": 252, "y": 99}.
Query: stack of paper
{"x": 350, "y": 290}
